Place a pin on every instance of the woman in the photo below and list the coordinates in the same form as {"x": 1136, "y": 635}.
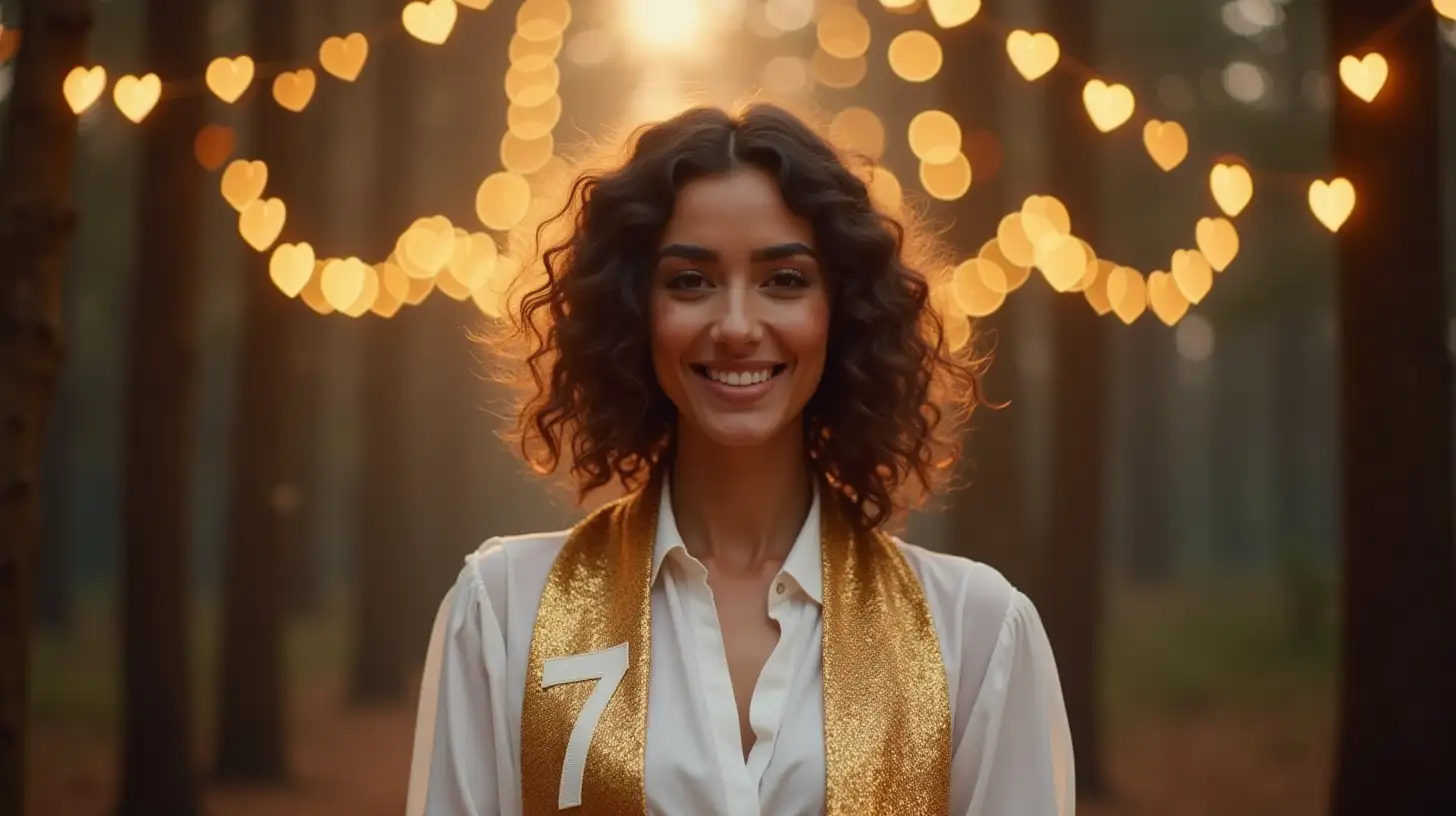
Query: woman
{"x": 734, "y": 335}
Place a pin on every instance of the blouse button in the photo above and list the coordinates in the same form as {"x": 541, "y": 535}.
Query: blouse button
{"x": 780, "y": 588}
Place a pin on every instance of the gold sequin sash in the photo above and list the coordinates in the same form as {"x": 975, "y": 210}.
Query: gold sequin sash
{"x": 887, "y": 729}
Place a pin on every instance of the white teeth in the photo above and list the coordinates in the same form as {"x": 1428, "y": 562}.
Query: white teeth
{"x": 740, "y": 377}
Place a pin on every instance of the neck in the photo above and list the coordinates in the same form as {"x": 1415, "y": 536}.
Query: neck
{"x": 740, "y": 508}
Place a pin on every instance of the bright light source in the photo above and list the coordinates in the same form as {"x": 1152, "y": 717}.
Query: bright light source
{"x": 664, "y": 25}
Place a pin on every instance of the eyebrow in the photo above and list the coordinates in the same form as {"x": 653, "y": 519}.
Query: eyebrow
{"x": 776, "y": 252}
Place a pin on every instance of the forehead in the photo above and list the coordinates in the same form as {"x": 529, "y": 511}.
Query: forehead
{"x": 741, "y": 210}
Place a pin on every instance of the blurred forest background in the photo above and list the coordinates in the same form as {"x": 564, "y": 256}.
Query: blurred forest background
{"x": 336, "y": 470}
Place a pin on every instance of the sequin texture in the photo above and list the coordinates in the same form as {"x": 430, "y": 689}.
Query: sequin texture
{"x": 887, "y": 731}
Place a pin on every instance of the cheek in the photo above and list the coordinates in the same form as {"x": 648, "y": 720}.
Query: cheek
{"x": 806, "y": 331}
{"x": 673, "y": 331}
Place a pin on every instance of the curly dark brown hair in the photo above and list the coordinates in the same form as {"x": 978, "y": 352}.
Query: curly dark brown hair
{"x": 883, "y": 426}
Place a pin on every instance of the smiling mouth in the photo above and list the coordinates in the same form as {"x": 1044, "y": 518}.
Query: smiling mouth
{"x": 739, "y": 379}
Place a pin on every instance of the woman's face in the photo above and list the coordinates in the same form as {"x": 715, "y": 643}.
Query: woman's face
{"x": 740, "y": 310}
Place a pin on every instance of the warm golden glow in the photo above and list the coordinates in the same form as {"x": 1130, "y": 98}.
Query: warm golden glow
{"x": 543, "y": 20}
{"x": 294, "y": 89}
{"x": 915, "y": 56}
{"x": 1062, "y": 260}
{"x": 425, "y": 248}
{"x": 1218, "y": 240}
{"x": 935, "y": 136}
{"x": 229, "y": 77}
{"x": 136, "y": 96}
{"x": 533, "y": 54}
{"x": 1033, "y": 55}
{"x": 1364, "y": 76}
{"x": 1013, "y": 241}
{"x": 1165, "y": 297}
{"x": 834, "y": 72}
{"x": 368, "y": 294}
{"x": 343, "y": 282}
{"x": 885, "y": 190}
{"x": 1332, "y": 202}
{"x": 532, "y": 87}
{"x": 858, "y": 130}
{"x": 525, "y": 156}
{"x": 1109, "y": 106}
{"x": 502, "y": 200}
{"x": 213, "y": 145}
{"x": 1096, "y": 290}
{"x": 951, "y": 13}
{"x": 1190, "y": 270}
{"x": 1166, "y": 142}
{"x": 535, "y": 121}
{"x": 83, "y": 86}
{"x": 1232, "y": 187}
{"x": 393, "y": 281}
{"x": 344, "y": 57}
{"x": 290, "y": 267}
{"x": 419, "y": 288}
{"x": 1128, "y": 293}
{"x": 843, "y": 32}
{"x": 946, "y": 181}
{"x": 473, "y": 262}
{"x": 664, "y": 26}
{"x": 313, "y": 292}
{"x": 786, "y": 76}
{"x": 429, "y": 22}
{"x": 979, "y": 287}
{"x": 261, "y": 221}
{"x": 1044, "y": 217}
{"x": 1089, "y": 272}
{"x": 243, "y": 182}
{"x": 1015, "y": 274}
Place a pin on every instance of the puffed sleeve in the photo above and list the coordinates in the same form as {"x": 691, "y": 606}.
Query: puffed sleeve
{"x": 1017, "y": 743}
{"x": 462, "y": 758}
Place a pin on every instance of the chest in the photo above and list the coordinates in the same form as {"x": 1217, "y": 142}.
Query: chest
{"x": 735, "y": 722}
{"x": 750, "y": 635}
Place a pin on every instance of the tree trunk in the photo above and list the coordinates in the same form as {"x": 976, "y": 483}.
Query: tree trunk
{"x": 36, "y": 219}
{"x": 157, "y": 773}
{"x": 252, "y": 743}
{"x": 53, "y": 561}
{"x": 381, "y": 593}
{"x": 1150, "y": 475}
{"x": 1398, "y": 696}
{"x": 1073, "y": 596}
{"x": 313, "y": 132}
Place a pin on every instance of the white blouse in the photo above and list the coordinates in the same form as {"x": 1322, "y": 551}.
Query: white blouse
{"x": 1012, "y": 750}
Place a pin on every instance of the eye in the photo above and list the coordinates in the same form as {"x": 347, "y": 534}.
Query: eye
{"x": 788, "y": 277}
{"x": 688, "y": 280}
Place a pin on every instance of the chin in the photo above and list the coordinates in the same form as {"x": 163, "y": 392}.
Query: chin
{"x": 740, "y": 431}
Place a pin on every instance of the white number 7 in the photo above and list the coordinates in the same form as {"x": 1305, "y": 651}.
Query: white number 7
{"x": 608, "y": 667}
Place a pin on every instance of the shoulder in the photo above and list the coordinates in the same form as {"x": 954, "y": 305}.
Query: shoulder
{"x": 983, "y": 622}
{"x": 509, "y": 572}
{"x": 960, "y": 588}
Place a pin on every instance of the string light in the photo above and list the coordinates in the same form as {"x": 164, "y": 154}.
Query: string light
{"x": 1032, "y": 55}
{"x": 83, "y": 86}
{"x": 1023, "y": 239}
{"x": 430, "y": 21}
{"x": 1332, "y": 202}
{"x": 229, "y": 77}
{"x": 1364, "y": 76}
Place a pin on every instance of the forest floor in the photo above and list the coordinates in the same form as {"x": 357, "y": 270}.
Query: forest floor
{"x": 1211, "y": 707}
{"x": 351, "y": 763}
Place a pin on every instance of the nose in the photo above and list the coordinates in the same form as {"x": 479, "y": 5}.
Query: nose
{"x": 737, "y": 323}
